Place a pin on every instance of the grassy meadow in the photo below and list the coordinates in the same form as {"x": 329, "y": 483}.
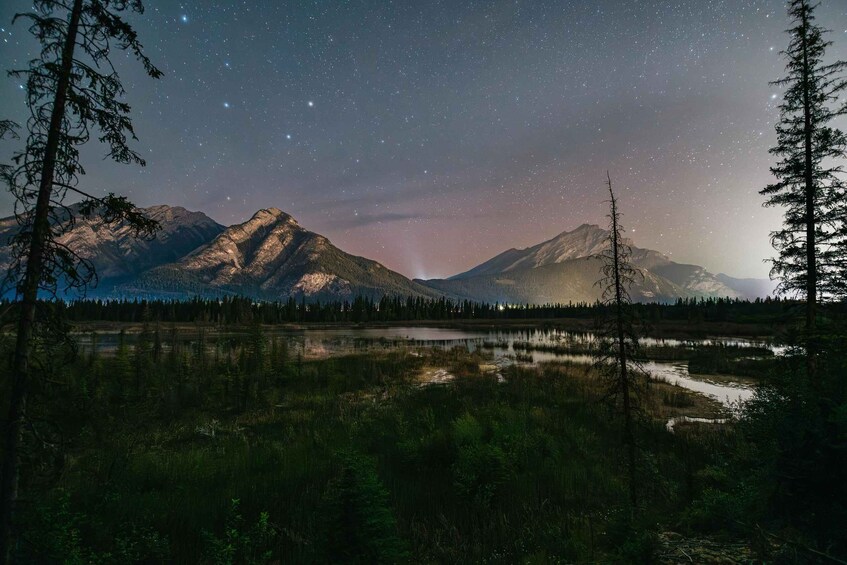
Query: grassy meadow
{"x": 241, "y": 451}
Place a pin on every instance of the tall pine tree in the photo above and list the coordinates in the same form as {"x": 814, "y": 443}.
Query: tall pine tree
{"x": 72, "y": 90}
{"x": 812, "y": 242}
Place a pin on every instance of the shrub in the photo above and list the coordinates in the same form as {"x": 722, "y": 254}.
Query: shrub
{"x": 240, "y": 544}
{"x": 360, "y": 525}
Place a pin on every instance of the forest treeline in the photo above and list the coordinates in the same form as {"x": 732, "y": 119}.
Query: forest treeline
{"x": 242, "y": 310}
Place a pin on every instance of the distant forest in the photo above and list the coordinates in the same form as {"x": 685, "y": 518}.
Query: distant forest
{"x": 236, "y": 310}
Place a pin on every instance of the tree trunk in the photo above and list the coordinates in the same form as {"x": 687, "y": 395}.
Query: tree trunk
{"x": 29, "y": 295}
{"x": 811, "y": 255}
{"x": 629, "y": 439}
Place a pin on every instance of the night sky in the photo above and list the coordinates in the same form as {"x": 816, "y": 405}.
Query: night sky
{"x": 431, "y": 135}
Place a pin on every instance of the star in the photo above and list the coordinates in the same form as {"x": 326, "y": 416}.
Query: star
{"x": 509, "y": 122}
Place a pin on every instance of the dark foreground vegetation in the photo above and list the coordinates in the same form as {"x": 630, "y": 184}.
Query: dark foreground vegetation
{"x": 242, "y": 455}
{"x": 239, "y": 451}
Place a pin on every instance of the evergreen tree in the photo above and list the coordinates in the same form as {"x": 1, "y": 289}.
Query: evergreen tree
{"x": 72, "y": 89}
{"x": 812, "y": 243}
{"x": 793, "y": 459}
{"x": 360, "y": 525}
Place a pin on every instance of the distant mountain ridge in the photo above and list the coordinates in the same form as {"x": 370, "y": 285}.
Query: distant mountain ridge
{"x": 268, "y": 257}
{"x": 565, "y": 268}
{"x": 584, "y": 241}
{"x": 272, "y": 257}
{"x": 115, "y": 251}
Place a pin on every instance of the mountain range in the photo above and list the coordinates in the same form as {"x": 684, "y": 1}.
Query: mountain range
{"x": 272, "y": 257}
{"x": 565, "y": 268}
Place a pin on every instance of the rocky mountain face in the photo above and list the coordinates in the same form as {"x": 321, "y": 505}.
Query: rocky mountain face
{"x": 565, "y": 268}
{"x": 117, "y": 254}
{"x": 272, "y": 257}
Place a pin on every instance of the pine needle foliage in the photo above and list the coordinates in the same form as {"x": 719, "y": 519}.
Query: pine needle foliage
{"x": 73, "y": 91}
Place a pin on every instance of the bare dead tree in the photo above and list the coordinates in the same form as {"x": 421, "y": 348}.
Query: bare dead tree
{"x": 615, "y": 356}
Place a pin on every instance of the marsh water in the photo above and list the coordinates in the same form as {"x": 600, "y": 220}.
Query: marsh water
{"x": 505, "y": 346}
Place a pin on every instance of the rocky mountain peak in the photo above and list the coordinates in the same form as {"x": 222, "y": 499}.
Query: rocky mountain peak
{"x": 583, "y": 231}
{"x": 115, "y": 250}
{"x": 585, "y": 228}
{"x": 260, "y": 225}
{"x": 172, "y": 216}
{"x": 566, "y": 267}
{"x": 273, "y": 215}
{"x": 584, "y": 241}
{"x": 272, "y": 256}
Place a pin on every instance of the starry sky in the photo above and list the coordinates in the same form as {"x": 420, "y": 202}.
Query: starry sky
{"x": 432, "y": 134}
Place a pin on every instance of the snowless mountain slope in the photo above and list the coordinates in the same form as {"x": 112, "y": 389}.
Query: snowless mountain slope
{"x": 552, "y": 272}
{"x": 272, "y": 257}
{"x": 114, "y": 250}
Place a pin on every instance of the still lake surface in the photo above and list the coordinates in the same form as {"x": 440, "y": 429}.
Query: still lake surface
{"x": 569, "y": 346}
{"x": 502, "y": 345}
